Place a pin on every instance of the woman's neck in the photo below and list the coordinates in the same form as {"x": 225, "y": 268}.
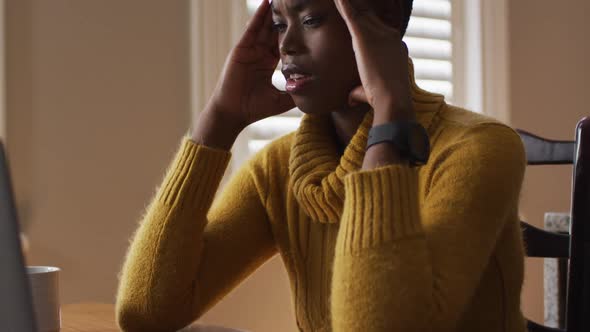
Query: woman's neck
{"x": 346, "y": 123}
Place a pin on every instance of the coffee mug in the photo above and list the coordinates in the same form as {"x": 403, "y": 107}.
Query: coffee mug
{"x": 45, "y": 292}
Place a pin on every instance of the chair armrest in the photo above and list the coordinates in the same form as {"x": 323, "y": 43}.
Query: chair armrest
{"x": 540, "y": 243}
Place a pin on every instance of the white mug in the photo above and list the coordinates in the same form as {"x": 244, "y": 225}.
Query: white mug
{"x": 45, "y": 292}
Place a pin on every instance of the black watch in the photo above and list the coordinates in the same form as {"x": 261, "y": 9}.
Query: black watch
{"x": 409, "y": 137}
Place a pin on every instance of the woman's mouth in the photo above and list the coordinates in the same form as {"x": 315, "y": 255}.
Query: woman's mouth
{"x": 296, "y": 83}
{"x": 298, "y": 77}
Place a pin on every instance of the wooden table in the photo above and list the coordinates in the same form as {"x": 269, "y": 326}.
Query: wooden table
{"x": 88, "y": 317}
{"x": 100, "y": 317}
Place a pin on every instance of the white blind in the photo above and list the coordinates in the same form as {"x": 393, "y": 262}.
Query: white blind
{"x": 429, "y": 41}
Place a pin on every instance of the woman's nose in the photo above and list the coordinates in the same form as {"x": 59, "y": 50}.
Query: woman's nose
{"x": 291, "y": 42}
{"x": 286, "y": 50}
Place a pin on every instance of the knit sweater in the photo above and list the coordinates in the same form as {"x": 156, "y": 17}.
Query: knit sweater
{"x": 430, "y": 248}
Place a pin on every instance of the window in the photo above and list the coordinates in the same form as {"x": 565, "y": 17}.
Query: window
{"x": 429, "y": 39}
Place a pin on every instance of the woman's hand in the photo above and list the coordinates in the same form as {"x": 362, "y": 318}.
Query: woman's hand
{"x": 244, "y": 93}
{"x": 381, "y": 57}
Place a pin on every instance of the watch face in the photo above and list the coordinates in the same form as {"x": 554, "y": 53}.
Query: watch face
{"x": 419, "y": 143}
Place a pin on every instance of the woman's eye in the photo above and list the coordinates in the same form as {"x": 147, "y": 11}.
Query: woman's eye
{"x": 279, "y": 27}
{"x": 312, "y": 21}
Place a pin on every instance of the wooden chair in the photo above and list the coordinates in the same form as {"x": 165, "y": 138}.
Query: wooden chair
{"x": 574, "y": 246}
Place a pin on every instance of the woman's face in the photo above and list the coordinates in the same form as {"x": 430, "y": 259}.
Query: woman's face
{"x": 316, "y": 52}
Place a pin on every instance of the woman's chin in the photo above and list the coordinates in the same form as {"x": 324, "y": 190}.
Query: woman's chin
{"x": 312, "y": 111}
{"x": 320, "y": 106}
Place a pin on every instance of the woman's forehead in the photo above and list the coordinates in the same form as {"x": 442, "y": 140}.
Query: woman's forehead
{"x": 296, "y": 5}
{"x": 379, "y": 6}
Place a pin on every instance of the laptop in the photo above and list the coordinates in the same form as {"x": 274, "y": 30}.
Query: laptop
{"x": 16, "y": 305}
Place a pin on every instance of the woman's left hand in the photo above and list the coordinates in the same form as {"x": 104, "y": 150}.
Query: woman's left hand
{"x": 381, "y": 57}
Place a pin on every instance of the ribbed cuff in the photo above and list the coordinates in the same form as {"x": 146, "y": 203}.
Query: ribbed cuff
{"x": 194, "y": 176}
{"x": 381, "y": 206}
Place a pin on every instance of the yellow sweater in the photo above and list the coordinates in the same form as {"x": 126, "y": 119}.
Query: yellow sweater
{"x": 434, "y": 248}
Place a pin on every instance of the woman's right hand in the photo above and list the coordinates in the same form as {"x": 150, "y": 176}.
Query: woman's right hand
{"x": 244, "y": 93}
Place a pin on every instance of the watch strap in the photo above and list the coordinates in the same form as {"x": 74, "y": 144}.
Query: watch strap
{"x": 393, "y": 132}
{"x": 402, "y": 135}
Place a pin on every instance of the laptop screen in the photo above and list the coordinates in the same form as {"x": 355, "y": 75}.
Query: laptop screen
{"x": 16, "y": 309}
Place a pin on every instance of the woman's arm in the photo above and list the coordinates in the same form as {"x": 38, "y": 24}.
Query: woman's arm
{"x": 400, "y": 266}
{"x": 185, "y": 256}
{"x": 404, "y": 267}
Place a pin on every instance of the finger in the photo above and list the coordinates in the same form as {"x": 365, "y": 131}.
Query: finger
{"x": 361, "y": 6}
{"x": 392, "y": 13}
{"x": 376, "y": 23}
{"x": 266, "y": 30}
{"x": 360, "y": 17}
{"x": 385, "y": 15}
{"x": 399, "y": 18}
{"x": 348, "y": 13}
{"x": 357, "y": 96}
{"x": 254, "y": 26}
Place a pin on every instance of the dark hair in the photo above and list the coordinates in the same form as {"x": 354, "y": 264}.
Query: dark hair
{"x": 407, "y": 6}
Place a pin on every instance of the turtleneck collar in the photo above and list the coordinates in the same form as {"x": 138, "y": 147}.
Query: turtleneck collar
{"x": 318, "y": 169}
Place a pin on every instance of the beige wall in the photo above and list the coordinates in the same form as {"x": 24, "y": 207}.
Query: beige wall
{"x": 550, "y": 73}
{"x": 2, "y": 75}
{"x": 98, "y": 97}
{"x": 97, "y": 101}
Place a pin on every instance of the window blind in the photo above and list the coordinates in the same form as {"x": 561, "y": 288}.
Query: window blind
{"x": 429, "y": 41}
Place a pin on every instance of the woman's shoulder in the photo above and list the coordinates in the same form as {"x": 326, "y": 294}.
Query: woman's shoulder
{"x": 451, "y": 115}
{"x": 456, "y": 122}
{"x": 474, "y": 135}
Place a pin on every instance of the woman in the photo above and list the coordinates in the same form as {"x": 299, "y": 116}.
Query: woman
{"x": 377, "y": 233}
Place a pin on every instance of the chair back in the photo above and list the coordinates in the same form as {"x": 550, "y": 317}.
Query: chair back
{"x": 578, "y": 292}
{"x": 542, "y": 151}
{"x": 574, "y": 246}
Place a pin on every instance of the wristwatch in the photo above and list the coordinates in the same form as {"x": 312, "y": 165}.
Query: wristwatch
{"x": 409, "y": 137}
